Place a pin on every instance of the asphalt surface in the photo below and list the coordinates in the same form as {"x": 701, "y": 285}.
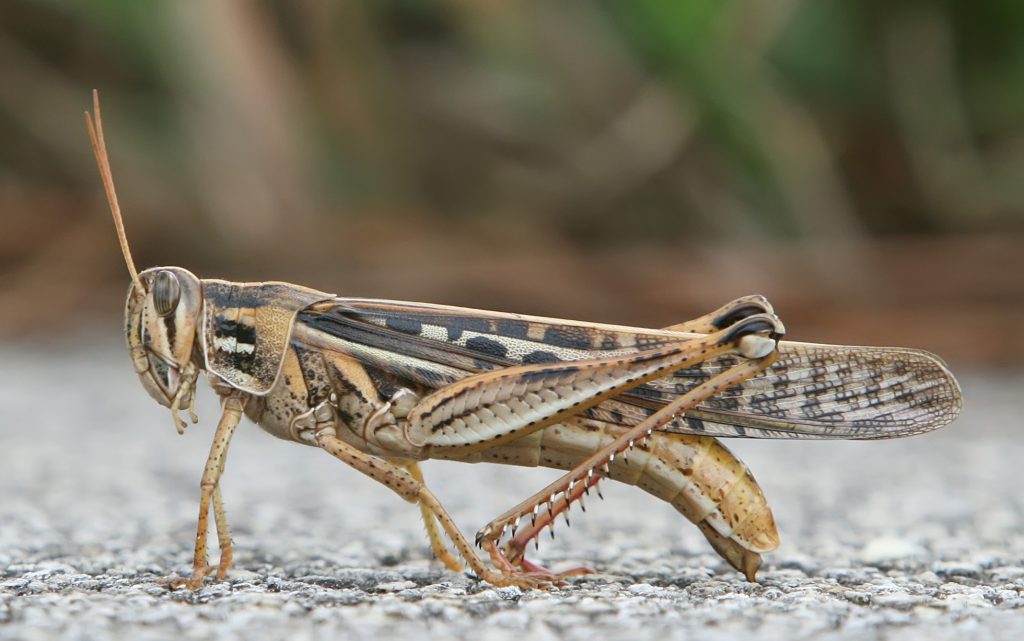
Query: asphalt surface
{"x": 912, "y": 539}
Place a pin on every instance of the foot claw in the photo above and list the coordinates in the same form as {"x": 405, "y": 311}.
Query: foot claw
{"x": 513, "y": 569}
{"x": 555, "y": 578}
{"x": 195, "y": 581}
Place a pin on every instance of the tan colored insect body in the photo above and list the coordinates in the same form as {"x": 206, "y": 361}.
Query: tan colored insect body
{"x": 382, "y": 385}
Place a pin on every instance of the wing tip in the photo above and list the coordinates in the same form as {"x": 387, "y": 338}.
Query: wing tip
{"x": 952, "y": 391}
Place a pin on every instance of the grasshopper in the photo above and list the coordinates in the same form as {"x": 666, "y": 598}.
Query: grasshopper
{"x": 382, "y": 385}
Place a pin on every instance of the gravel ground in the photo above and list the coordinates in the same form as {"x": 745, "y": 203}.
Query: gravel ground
{"x": 913, "y": 539}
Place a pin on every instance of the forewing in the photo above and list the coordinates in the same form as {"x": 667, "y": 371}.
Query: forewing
{"x": 811, "y": 391}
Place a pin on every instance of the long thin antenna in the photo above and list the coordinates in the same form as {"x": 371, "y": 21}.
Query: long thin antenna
{"x": 99, "y": 149}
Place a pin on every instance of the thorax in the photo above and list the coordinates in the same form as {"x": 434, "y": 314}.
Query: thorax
{"x": 363, "y": 401}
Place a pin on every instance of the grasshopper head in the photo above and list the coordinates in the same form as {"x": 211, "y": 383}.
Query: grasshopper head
{"x": 161, "y": 323}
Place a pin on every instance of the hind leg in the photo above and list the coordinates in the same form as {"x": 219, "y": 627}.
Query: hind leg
{"x": 726, "y": 315}
{"x": 543, "y": 507}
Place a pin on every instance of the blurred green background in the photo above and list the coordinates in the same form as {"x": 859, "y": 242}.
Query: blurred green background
{"x": 861, "y": 163}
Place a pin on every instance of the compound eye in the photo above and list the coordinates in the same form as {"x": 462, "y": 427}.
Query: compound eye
{"x": 166, "y": 292}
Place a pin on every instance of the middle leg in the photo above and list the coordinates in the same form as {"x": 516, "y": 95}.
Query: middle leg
{"x": 321, "y": 423}
{"x": 437, "y": 544}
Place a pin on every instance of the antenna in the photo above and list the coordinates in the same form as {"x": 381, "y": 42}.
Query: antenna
{"x": 99, "y": 149}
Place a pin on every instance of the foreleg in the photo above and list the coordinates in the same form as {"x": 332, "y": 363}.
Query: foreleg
{"x": 209, "y": 490}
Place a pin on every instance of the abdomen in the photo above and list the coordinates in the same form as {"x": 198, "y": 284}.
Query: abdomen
{"x": 696, "y": 474}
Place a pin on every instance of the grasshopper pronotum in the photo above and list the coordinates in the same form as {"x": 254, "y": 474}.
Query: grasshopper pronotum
{"x": 382, "y": 385}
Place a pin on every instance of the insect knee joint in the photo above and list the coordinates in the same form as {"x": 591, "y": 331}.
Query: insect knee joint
{"x": 755, "y": 336}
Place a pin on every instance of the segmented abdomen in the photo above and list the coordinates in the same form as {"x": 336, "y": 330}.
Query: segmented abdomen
{"x": 696, "y": 474}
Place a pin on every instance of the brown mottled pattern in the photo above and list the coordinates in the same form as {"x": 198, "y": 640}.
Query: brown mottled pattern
{"x": 811, "y": 391}
{"x": 824, "y": 391}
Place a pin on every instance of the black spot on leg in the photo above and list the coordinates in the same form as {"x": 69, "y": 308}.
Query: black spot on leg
{"x": 737, "y": 314}
{"x": 529, "y": 377}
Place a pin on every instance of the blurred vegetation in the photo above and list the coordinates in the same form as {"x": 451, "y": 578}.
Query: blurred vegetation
{"x": 250, "y": 138}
